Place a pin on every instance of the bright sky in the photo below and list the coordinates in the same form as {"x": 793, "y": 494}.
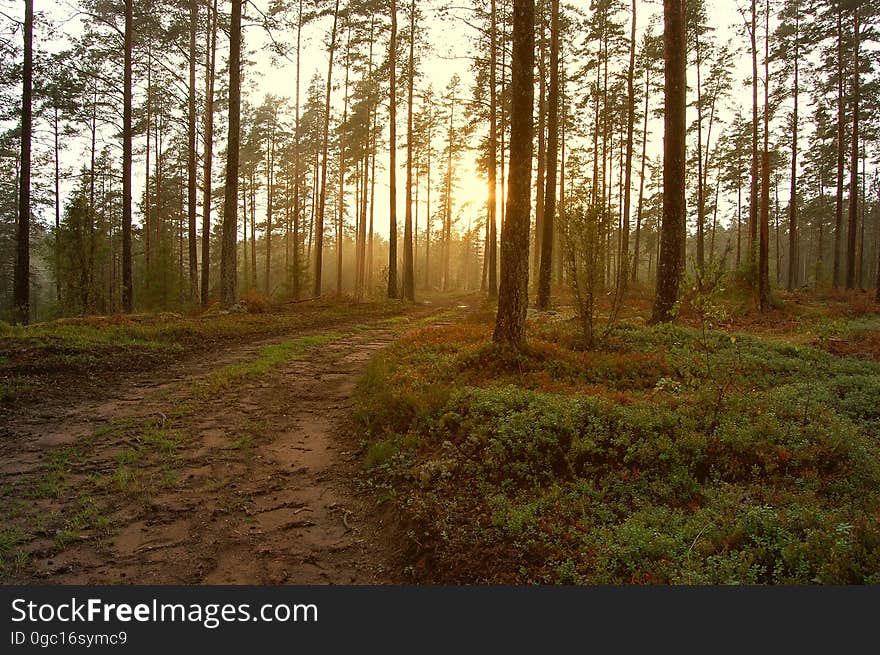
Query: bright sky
{"x": 449, "y": 53}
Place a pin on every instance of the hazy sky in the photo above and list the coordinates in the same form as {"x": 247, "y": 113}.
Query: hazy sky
{"x": 448, "y": 52}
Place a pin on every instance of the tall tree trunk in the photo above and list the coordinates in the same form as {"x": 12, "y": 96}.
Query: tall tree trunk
{"x": 409, "y": 284}
{"x": 753, "y": 198}
{"x": 492, "y": 254}
{"x": 513, "y": 298}
{"x": 623, "y": 265}
{"x": 192, "y": 185}
{"x": 127, "y": 295}
{"x": 319, "y": 218}
{"x": 701, "y": 239}
{"x": 793, "y": 254}
{"x": 230, "y": 200}
{"x": 635, "y": 268}
{"x": 57, "y": 242}
{"x": 546, "y": 266}
{"x": 671, "y": 260}
{"x": 447, "y": 214}
{"x": 541, "y": 169}
{"x": 148, "y": 223}
{"x": 22, "y": 284}
{"x": 207, "y": 159}
{"x": 430, "y": 128}
{"x": 851, "y": 262}
{"x": 340, "y": 226}
{"x": 392, "y": 155}
{"x": 838, "y": 209}
{"x": 270, "y": 203}
{"x": 764, "y": 247}
{"x": 297, "y": 204}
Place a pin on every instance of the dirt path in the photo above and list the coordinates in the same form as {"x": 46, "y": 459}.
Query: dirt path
{"x": 217, "y": 471}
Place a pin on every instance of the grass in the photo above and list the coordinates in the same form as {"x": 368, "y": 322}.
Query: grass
{"x": 669, "y": 455}
{"x": 148, "y": 457}
{"x": 32, "y": 357}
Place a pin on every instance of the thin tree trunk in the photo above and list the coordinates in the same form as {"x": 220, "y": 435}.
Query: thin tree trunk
{"x": 492, "y": 255}
{"x": 793, "y": 254}
{"x": 551, "y": 165}
{"x": 127, "y": 296}
{"x": 22, "y": 284}
{"x": 623, "y": 265}
{"x": 838, "y": 209}
{"x": 409, "y": 283}
{"x": 764, "y": 247}
{"x": 192, "y": 184}
{"x": 296, "y": 159}
{"x": 230, "y": 201}
{"x": 854, "y": 163}
{"x": 392, "y": 155}
{"x": 319, "y": 218}
{"x": 753, "y": 199}
{"x": 635, "y": 269}
{"x": 210, "y": 75}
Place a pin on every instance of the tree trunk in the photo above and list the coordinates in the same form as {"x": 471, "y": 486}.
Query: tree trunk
{"x": 210, "y": 74}
{"x": 635, "y": 269}
{"x": 230, "y": 201}
{"x": 409, "y": 284}
{"x": 127, "y": 296}
{"x": 546, "y": 266}
{"x": 851, "y": 262}
{"x": 322, "y": 205}
{"x": 340, "y": 227}
{"x": 701, "y": 238}
{"x": 623, "y": 265}
{"x": 753, "y": 198}
{"x": 513, "y": 296}
{"x": 671, "y": 260}
{"x": 22, "y": 283}
{"x": 296, "y": 160}
{"x": 392, "y": 155}
{"x": 793, "y": 254}
{"x": 492, "y": 254}
{"x": 764, "y": 248}
{"x": 192, "y": 185}
{"x": 838, "y": 209}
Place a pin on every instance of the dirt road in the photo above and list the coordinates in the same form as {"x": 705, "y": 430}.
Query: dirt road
{"x": 235, "y": 468}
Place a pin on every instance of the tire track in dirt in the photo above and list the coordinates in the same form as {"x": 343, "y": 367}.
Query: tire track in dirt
{"x": 260, "y": 489}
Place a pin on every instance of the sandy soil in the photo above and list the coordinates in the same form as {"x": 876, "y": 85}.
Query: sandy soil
{"x": 259, "y": 490}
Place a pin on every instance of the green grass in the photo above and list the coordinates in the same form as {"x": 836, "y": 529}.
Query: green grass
{"x": 665, "y": 457}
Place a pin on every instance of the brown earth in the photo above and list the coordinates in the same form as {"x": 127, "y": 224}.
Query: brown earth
{"x": 253, "y": 484}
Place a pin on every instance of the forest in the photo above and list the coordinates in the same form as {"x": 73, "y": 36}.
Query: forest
{"x": 498, "y": 291}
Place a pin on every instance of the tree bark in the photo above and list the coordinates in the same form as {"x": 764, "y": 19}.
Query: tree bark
{"x": 322, "y": 203}
{"x": 210, "y": 75}
{"x": 191, "y": 156}
{"x": 22, "y": 283}
{"x": 392, "y": 155}
{"x": 513, "y": 292}
{"x": 409, "y": 284}
{"x": 764, "y": 246}
{"x": 793, "y": 254}
{"x": 546, "y": 265}
{"x": 493, "y": 155}
{"x": 851, "y": 262}
{"x": 127, "y": 295}
{"x": 671, "y": 259}
{"x": 838, "y": 209}
{"x": 230, "y": 201}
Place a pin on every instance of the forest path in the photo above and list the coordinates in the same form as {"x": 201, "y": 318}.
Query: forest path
{"x": 236, "y": 468}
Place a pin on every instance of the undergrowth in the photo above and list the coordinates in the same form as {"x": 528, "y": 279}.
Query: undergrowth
{"x": 673, "y": 454}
